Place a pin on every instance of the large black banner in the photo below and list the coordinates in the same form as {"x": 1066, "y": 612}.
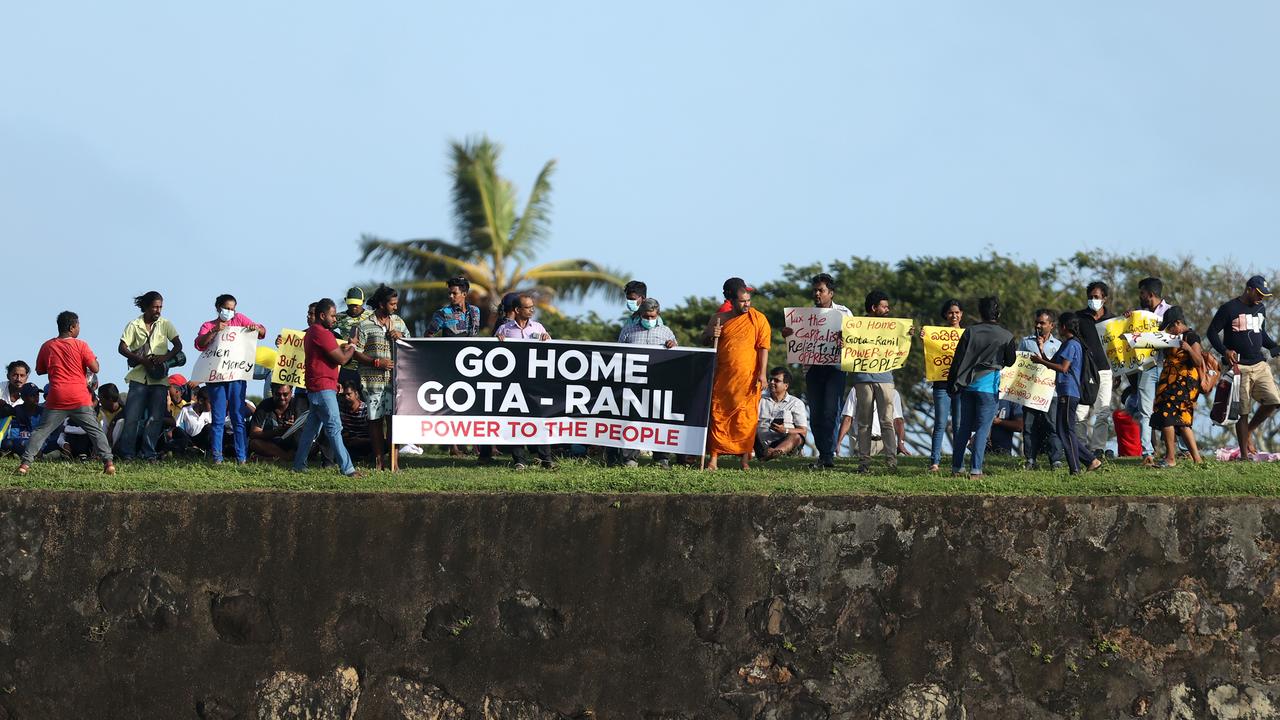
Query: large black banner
{"x": 526, "y": 392}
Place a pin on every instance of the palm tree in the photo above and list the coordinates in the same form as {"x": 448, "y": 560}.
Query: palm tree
{"x": 495, "y": 248}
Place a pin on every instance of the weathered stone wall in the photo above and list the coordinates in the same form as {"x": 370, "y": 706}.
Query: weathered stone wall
{"x": 278, "y": 605}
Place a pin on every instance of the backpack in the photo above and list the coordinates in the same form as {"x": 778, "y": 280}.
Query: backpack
{"x": 1089, "y": 380}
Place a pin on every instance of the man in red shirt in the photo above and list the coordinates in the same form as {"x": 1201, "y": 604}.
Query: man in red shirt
{"x": 323, "y": 358}
{"x": 66, "y": 359}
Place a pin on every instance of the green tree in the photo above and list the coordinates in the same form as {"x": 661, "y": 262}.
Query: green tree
{"x": 496, "y": 244}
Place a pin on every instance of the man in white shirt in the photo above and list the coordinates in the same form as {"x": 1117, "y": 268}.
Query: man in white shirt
{"x": 16, "y": 374}
{"x": 784, "y": 422}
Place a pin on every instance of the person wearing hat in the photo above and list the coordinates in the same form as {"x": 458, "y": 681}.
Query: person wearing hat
{"x": 1178, "y": 388}
{"x": 67, "y": 360}
{"x": 741, "y": 337}
{"x": 355, "y": 314}
{"x": 1238, "y": 333}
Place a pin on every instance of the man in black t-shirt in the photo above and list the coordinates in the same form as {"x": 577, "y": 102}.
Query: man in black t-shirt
{"x": 272, "y": 420}
{"x": 1239, "y": 333}
{"x": 1094, "y": 421}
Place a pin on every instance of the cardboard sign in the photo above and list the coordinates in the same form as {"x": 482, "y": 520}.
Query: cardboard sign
{"x": 1027, "y": 384}
{"x": 875, "y": 344}
{"x": 1119, "y": 352}
{"x": 290, "y": 365}
{"x": 229, "y": 357}
{"x": 815, "y": 335}
{"x": 1140, "y": 322}
{"x": 939, "y": 350}
{"x": 1153, "y": 340}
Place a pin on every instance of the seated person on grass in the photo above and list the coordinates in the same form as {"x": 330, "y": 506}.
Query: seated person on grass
{"x": 783, "y": 419}
{"x": 355, "y": 420}
{"x": 1004, "y": 427}
{"x": 192, "y": 431}
{"x": 272, "y": 420}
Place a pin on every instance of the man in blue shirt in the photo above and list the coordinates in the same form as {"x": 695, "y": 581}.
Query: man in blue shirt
{"x": 1040, "y": 428}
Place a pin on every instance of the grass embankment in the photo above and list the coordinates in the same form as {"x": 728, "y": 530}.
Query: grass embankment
{"x": 435, "y": 473}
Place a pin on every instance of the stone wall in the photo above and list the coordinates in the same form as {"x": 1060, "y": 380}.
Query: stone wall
{"x": 276, "y": 605}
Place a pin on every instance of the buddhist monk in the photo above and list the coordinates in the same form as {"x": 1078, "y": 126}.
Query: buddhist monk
{"x": 742, "y": 354}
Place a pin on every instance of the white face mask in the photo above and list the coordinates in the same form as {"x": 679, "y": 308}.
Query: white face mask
{"x": 225, "y": 315}
{"x": 1095, "y": 304}
{"x": 633, "y": 305}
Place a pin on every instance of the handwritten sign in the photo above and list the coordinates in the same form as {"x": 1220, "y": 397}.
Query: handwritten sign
{"x": 815, "y": 335}
{"x": 1153, "y": 340}
{"x": 1119, "y": 352}
{"x": 1027, "y": 384}
{"x": 939, "y": 349}
{"x": 290, "y": 365}
{"x": 1143, "y": 321}
{"x": 229, "y": 356}
{"x": 875, "y": 344}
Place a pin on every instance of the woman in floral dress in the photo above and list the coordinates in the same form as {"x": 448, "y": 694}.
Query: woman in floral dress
{"x": 1178, "y": 388}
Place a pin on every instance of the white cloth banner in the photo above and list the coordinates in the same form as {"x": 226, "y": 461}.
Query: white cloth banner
{"x": 230, "y": 356}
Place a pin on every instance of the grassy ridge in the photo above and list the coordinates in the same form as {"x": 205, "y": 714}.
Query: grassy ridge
{"x": 784, "y": 477}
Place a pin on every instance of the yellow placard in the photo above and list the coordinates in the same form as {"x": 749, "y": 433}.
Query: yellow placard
{"x": 1143, "y": 321}
{"x": 875, "y": 344}
{"x": 1119, "y": 353}
{"x": 939, "y": 349}
{"x": 290, "y": 365}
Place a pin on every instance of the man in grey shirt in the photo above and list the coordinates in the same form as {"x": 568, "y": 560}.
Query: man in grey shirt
{"x": 784, "y": 422}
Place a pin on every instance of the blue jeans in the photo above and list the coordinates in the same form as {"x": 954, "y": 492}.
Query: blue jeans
{"x": 944, "y": 408}
{"x": 1073, "y": 445}
{"x": 1146, "y": 406}
{"x": 324, "y": 412}
{"x": 148, "y": 400}
{"x": 977, "y": 410}
{"x": 824, "y": 390}
{"x": 224, "y": 398}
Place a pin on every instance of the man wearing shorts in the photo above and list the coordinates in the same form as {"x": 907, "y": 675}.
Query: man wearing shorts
{"x": 1239, "y": 333}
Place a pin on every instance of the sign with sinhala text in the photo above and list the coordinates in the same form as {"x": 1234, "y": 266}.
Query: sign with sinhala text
{"x": 815, "y": 335}
{"x": 290, "y": 366}
{"x": 939, "y": 349}
{"x": 1126, "y": 342}
{"x": 875, "y": 344}
{"x": 1028, "y": 384}
{"x": 518, "y": 392}
{"x": 230, "y": 356}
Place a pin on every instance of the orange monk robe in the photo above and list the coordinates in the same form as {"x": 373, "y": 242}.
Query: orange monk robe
{"x": 735, "y": 398}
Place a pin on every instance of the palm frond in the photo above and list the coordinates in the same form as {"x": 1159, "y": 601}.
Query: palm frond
{"x": 420, "y": 257}
{"x": 574, "y": 278}
{"x": 533, "y": 225}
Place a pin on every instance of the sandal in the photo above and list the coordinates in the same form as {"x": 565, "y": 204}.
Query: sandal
{"x": 23, "y": 469}
{"x": 109, "y": 468}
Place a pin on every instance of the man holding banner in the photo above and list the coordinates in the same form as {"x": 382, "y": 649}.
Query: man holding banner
{"x": 226, "y": 382}
{"x": 1094, "y": 421}
{"x": 814, "y": 340}
{"x": 1040, "y": 426}
{"x": 742, "y": 337}
{"x": 1150, "y": 300}
{"x": 874, "y": 388}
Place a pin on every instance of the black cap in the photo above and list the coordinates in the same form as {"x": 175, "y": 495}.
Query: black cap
{"x": 1171, "y": 316}
{"x": 735, "y": 285}
{"x": 1259, "y": 283}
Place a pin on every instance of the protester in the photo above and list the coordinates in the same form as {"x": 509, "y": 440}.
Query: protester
{"x": 783, "y": 421}
{"x": 875, "y": 393}
{"x": 898, "y": 430}
{"x": 824, "y": 384}
{"x": 226, "y": 398}
{"x": 1150, "y": 298}
{"x": 522, "y": 326}
{"x": 945, "y": 412}
{"x": 323, "y": 357}
{"x": 109, "y": 411}
{"x": 66, "y": 359}
{"x": 355, "y": 419}
{"x": 1040, "y": 427}
{"x": 1094, "y": 420}
{"x": 372, "y": 338}
{"x": 1175, "y": 406}
{"x": 148, "y": 343}
{"x": 634, "y": 292}
{"x": 16, "y": 374}
{"x": 741, "y": 337}
{"x": 984, "y": 349}
{"x": 1239, "y": 334}
{"x": 1007, "y": 423}
{"x": 22, "y": 424}
{"x": 1068, "y": 363}
{"x": 192, "y": 433}
{"x": 272, "y": 419}
{"x": 644, "y": 328}
{"x": 458, "y": 318}
{"x": 355, "y": 313}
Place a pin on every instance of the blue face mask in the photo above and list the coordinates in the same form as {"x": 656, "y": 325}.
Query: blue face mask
{"x": 648, "y": 324}
{"x": 225, "y": 315}
{"x": 633, "y": 305}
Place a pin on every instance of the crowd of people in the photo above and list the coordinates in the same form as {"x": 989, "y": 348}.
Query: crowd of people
{"x": 343, "y": 414}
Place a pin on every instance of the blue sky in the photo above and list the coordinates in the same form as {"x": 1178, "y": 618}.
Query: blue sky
{"x": 244, "y": 147}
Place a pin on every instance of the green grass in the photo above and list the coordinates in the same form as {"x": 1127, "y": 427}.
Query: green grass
{"x": 436, "y": 473}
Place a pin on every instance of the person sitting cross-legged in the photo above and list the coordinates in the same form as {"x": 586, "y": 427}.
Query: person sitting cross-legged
{"x": 272, "y": 420}
{"x": 784, "y": 423}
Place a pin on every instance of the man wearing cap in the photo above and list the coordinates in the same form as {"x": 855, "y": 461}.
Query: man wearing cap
{"x": 742, "y": 339}
{"x": 356, "y": 312}
{"x": 67, "y": 360}
{"x": 1239, "y": 333}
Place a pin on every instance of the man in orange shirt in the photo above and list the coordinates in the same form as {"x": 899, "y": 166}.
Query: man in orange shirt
{"x": 742, "y": 352}
{"x": 67, "y": 359}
